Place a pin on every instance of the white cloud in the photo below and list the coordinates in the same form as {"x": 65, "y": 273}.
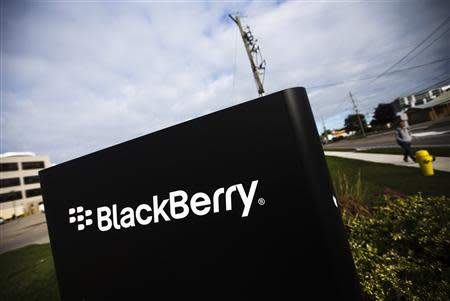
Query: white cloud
{"x": 78, "y": 77}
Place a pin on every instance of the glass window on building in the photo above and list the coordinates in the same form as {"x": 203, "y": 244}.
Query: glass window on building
{"x": 9, "y": 166}
{"x": 33, "y": 165}
{"x": 31, "y": 179}
{"x": 436, "y": 92}
{"x": 9, "y": 182}
{"x": 10, "y": 196}
{"x": 422, "y": 96}
{"x": 33, "y": 192}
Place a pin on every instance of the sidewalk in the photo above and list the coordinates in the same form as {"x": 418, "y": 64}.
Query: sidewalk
{"x": 441, "y": 163}
{"x": 23, "y": 231}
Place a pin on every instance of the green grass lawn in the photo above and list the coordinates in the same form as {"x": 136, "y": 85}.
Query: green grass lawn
{"x": 28, "y": 273}
{"x": 379, "y": 177}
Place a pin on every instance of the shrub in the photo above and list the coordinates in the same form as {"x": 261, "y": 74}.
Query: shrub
{"x": 401, "y": 249}
{"x": 351, "y": 193}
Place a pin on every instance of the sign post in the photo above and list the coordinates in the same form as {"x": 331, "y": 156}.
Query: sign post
{"x": 234, "y": 205}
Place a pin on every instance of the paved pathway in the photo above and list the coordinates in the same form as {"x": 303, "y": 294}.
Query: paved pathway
{"x": 441, "y": 163}
{"x": 23, "y": 231}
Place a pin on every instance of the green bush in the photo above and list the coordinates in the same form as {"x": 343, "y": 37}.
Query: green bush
{"x": 401, "y": 248}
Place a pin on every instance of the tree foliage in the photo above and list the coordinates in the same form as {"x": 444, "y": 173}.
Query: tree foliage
{"x": 384, "y": 113}
{"x": 352, "y": 122}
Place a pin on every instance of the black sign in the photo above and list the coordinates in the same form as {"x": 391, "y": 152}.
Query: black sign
{"x": 234, "y": 205}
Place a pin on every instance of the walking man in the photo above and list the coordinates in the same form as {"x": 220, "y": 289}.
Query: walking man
{"x": 404, "y": 138}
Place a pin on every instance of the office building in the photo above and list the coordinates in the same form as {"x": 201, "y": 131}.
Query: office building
{"x": 20, "y": 191}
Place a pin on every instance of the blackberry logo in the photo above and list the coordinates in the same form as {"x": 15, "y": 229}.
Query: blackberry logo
{"x": 177, "y": 205}
{"x": 80, "y": 218}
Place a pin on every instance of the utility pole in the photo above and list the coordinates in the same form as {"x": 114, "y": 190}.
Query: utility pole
{"x": 355, "y": 107}
{"x": 253, "y": 53}
{"x": 324, "y": 127}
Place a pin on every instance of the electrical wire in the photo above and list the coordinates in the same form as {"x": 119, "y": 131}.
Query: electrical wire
{"x": 369, "y": 78}
{"x": 412, "y": 50}
{"x": 416, "y": 87}
{"x": 428, "y": 46}
{"x": 435, "y": 85}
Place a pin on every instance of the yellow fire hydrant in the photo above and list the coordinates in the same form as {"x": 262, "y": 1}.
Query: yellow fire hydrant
{"x": 424, "y": 159}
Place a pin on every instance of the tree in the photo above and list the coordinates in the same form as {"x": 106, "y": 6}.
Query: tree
{"x": 384, "y": 113}
{"x": 326, "y": 132}
{"x": 352, "y": 122}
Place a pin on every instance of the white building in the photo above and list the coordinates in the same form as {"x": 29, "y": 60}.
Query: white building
{"x": 405, "y": 102}
{"x": 20, "y": 191}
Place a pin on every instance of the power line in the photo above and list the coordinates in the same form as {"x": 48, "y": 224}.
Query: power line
{"x": 411, "y": 51}
{"x": 389, "y": 73}
{"x": 440, "y": 83}
{"x": 428, "y": 46}
{"x": 418, "y": 66}
{"x": 416, "y": 90}
{"x": 422, "y": 83}
{"x": 435, "y": 85}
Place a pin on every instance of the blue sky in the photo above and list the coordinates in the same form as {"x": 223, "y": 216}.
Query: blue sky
{"x": 77, "y": 77}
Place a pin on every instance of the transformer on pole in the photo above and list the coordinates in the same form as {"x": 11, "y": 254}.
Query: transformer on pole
{"x": 257, "y": 63}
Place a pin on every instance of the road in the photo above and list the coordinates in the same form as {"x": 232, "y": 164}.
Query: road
{"x": 428, "y": 134}
{"x": 23, "y": 231}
